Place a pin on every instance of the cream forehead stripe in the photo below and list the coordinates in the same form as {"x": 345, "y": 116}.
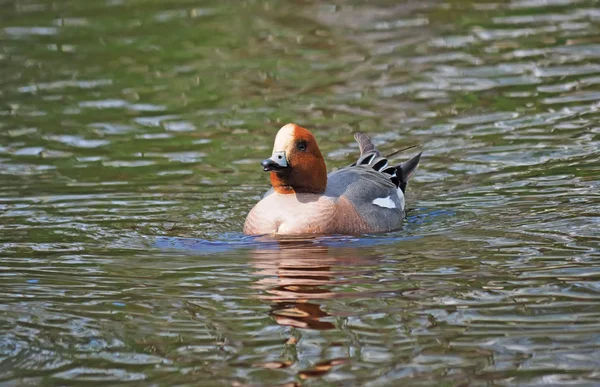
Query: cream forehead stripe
{"x": 284, "y": 137}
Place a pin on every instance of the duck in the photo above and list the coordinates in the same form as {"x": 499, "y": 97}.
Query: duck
{"x": 365, "y": 197}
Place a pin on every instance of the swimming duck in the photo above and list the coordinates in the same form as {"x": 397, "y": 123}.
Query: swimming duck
{"x": 365, "y": 197}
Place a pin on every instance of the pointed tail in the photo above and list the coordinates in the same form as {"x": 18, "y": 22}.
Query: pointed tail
{"x": 405, "y": 171}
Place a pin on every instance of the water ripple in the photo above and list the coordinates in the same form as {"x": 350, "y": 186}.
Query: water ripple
{"x": 129, "y": 156}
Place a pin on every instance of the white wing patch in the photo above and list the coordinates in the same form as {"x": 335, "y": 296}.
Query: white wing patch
{"x": 389, "y": 202}
{"x": 385, "y": 202}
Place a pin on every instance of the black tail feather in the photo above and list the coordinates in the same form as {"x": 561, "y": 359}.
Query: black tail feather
{"x": 406, "y": 170}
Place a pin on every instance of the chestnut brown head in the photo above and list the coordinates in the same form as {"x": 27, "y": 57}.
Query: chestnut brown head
{"x": 296, "y": 165}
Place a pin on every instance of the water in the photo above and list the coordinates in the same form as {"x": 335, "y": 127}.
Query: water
{"x": 130, "y": 137}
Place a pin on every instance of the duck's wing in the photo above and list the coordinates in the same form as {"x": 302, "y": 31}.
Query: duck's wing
{"x": 375, "y": 198}
{"x": 370, "y": 156}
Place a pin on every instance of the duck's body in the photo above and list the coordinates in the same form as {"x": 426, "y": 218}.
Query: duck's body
{"x": 366, "y": 197}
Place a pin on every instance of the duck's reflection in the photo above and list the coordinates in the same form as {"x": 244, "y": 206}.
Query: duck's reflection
{"x": 295, "y": 274}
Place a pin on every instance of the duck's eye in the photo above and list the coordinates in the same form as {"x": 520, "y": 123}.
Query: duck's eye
{"x": 302, "y": 146}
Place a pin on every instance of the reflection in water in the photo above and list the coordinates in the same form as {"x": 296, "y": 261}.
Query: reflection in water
{"x": 296, "y": 274}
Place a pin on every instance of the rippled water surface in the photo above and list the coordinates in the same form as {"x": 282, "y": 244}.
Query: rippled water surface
{"x": 130, "y": 137}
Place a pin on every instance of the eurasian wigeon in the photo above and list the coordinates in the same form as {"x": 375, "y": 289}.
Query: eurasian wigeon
{"x": 365, "y": 197}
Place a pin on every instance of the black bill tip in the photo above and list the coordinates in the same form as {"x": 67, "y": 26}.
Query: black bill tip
{"x": 270, "y": 165}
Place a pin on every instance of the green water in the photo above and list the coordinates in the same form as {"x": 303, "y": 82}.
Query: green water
{"x": 130, "y": 139}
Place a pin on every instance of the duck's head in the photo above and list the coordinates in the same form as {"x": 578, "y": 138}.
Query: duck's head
{"x": 296, "y": 165}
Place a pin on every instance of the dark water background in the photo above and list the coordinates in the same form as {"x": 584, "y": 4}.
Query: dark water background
{"x": 127, "y": 124}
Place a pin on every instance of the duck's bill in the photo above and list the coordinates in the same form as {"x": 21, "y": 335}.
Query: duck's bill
{"x": 274, "y": 163}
